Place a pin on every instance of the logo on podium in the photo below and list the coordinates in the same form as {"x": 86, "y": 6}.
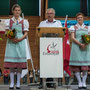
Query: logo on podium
{"x": 51, "y": 49}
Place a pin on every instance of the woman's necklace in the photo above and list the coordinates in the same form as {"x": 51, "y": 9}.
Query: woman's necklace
{"x": 17, "y": 21}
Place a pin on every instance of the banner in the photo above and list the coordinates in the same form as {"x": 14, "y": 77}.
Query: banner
{"x": 73, "y": 22}
{"x": 51, "y": 58}
{"x": 2, "y": 25}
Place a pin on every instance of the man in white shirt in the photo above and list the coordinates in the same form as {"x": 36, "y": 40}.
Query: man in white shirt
{"x": 49, "y": 22}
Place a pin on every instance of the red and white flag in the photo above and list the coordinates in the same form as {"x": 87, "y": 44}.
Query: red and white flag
{"x": 66, "y": 50}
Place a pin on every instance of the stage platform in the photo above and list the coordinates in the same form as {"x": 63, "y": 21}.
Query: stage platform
{"x": 27, "y": 87}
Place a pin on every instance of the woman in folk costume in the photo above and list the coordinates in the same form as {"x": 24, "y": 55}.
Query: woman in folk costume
{"x": 15, "y": 54}
{"x": 80, "y": 52}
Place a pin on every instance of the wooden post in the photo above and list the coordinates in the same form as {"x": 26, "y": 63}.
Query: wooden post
{"x": 42, "y": 10}
{"x": 12, "y": 2}
{"x": 46, "y": 7}
{"x": 84, "y": 7}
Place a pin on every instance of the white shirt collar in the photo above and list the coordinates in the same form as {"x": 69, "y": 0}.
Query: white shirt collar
{"x": 51, "y": 22}
{"x": 19, "y": 19}
{"x": 78, "y": 25}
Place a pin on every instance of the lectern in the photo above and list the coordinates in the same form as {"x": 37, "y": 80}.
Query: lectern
{"x": 50, "y": 41}
{"x": 60, "y": 31}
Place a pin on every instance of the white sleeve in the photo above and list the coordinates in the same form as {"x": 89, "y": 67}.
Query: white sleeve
{"x": 41, "y": 24}
{"x": 26, "y": 25}
{"x": 71, "y": 29}
{"x": 59, "y": 24}
{"x": 7, "y": 24}
{"x": 88, "y": 29}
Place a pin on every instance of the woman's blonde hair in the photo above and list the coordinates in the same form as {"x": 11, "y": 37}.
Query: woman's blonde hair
{"x": 15, "y": 6}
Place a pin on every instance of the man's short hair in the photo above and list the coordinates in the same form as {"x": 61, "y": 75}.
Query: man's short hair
{"x": 50, "y": 9}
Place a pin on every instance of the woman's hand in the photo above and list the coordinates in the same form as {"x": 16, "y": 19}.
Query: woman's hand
{"x": 16, "y": 40}
{"x": 83, "y": 46}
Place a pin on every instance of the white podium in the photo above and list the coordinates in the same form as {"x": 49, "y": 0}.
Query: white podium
{"x": 50, "y": 42}
{"x": 51, "y": 58}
